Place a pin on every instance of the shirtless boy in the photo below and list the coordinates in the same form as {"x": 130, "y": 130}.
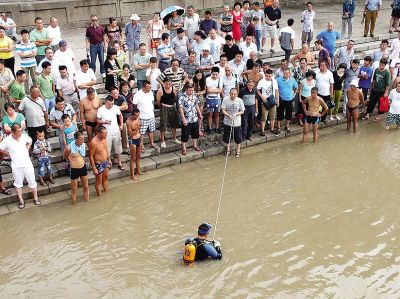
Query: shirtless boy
{"x": 100, "y": 160}
{"x": 355, "y": 98}
{"x": 313, "y": 117}
{"x": 75, "y": 152}
{"x": 133, "y": 127}
{"x": 88, "y": 112}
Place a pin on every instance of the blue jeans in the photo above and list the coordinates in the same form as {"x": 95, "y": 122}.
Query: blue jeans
{"x": 44, "y": 163}
{"x": 50, "y": 103}
{"x": 258, "y": 39}
{"x": 97, "y": 50}
{"x": 332, "y": 56}
{"x": 139, "y": 84}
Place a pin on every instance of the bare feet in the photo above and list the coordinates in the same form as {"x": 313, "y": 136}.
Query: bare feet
{"x": 134, "y": 178}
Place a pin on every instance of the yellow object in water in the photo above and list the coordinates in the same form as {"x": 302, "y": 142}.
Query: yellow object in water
{"x": 190, "y": 253}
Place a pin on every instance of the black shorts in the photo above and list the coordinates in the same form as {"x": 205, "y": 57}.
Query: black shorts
{"x": 191, "y": 129}
{"x": 396, "y": 13}
{"x": 237, "y": 134}
{"x": 76, "y": 173}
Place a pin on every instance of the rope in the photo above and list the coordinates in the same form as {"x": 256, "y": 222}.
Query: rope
{"x": 223, "y": 181}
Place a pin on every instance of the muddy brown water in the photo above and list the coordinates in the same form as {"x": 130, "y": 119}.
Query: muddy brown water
{"x": 297, "y": 221}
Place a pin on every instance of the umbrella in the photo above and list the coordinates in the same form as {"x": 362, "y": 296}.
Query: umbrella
{"x": 166, "y": 13}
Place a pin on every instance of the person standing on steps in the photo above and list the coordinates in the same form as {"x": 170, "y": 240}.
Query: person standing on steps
{"x": 88, "y": 112}
{"x": 272, "y": 17}
{"x": 329, "y": 38}
{"x": 349, "y": 6}
{"x": 17, "y": 146}
{"x": 133, "y": 30}
{"x": 100, "y": 159}
{"x": 287, "y": 90}
{"x": 41, "y": 37}
{"x": 371, "y": 12}
{"x": 134, "y": 139}
{"x": 307, "y": 18}
{"x": 75, "y": 153}
{"x": 96, "y": 44}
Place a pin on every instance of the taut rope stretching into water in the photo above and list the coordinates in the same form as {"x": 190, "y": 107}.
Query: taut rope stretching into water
{"x": 223, "y": 181}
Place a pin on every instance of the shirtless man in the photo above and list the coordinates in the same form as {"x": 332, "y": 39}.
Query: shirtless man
{"x": 355, "y": 98}
{"x": 88, "y": 107}
{"x": 134, "y": 139}
{"x": 304, "y": 53}
{"x": 100, "y": 159}
{"x": 313, "y": 117}
{"x": 75, "y": 152}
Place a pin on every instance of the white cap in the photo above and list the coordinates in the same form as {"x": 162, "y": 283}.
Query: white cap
{"x": 134, "y": 17}
{"x": 206, "y": 48}
{"x": 354, "y": 82}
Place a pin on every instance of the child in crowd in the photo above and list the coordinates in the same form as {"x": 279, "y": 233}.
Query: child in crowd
{"x": 393, "y": 116}
{"x": 41, "y": 149}
{"x": 69, "y": 129}
{"x": 152, "y": 74}
{"x": 134, "y": 138}
{"x": 365, "y": 76}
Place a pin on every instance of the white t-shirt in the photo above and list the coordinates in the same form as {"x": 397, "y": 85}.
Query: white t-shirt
{"x": 81, "y": 78}
{"x": 215, "y": 46}
{"x": 308, "y": 20}
{"x": 191, "y": 24}
{"x": 64, "y": 58}
{"x": 17, "y": 150}
{"x": 265, "y": 87}
{"x": 232, "y": 107}
{"x": 394, "y": 97}
{"x": 395, "y": 49}
{"x": 324, "y": 82}
{"x": 221, "y": 70}
{"x": 246, "y": 49}
{"x": 54, "y": 34}
{"x": 229, "y": 83}
{"x": 105, "y": 114}
{"x": 153, "y": 77}
{"x": 238, "y": 69}
{"x": 210, "y": 83}
{"x": 144, "y": 102}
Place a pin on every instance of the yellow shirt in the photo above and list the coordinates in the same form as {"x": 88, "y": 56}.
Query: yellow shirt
{"x": 4, "y": 44}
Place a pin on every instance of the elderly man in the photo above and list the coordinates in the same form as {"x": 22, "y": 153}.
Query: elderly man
{"x": 96, "y": 43}
{"x": 247, "y": 46}
{"x": 66, "y": 87}
{"x": 141, "y": 62}
{"x": 371, "y": 11}
{"x": 190, "y": 66}
{"x": 345, "y": 54}
{"x": 304, "y": 53}
{"x": 17, "y": 145}
{"x": 34, "y": 108}
{"x": 329, "y": 38}
{"x": 40, "y": 36}
{"x": 132, "y": 36}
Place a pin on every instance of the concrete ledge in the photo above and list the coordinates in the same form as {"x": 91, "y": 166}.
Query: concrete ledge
{"x": 165, "y": 160}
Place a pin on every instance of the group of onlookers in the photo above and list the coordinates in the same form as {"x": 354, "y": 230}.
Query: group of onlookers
{"x": 202, "y": 66}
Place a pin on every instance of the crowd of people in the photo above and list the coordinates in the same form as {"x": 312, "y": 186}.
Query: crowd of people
{"x": 187, "y": 67}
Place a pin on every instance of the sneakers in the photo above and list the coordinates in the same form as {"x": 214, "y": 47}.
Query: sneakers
{"x": 163, "y": 145}
{"x": 208, "y": 131}
{"x": 274, "y": 132}
{"x": 103, "y": 75}
{"x": 177, "y": 141}
{"x": 330, "y": 117}
{"x": 218, "y": 130}
{"x": 337, "y": 117}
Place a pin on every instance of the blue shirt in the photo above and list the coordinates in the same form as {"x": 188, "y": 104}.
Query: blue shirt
{"x": 349, "y": 7}
{"x": 286, "y": 87}
{"x": 373, "y": 4}
{"x": 22, "y": 48}
{"x": 365, "y": 83}
{"x": 329, "y": 38}
{"x": 132, "y": 35}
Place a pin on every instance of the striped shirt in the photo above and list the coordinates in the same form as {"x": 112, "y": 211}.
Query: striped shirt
{"x": 22, "y": 48}
{"x": 177, "y": 79}
{"x": 164, "y": 49}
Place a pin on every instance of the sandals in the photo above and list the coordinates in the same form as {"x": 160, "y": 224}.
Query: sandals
{"x": 228, "y": 153}
{"x": 21, "y": 205}
{"x": 184, "y": 152}
{"x": 121, "y": 167}
{"x": 237, "y": 155}
{"x": 37, "y": 202}
{"x": 6, "y": 191}
{"x": 196, "y": 148}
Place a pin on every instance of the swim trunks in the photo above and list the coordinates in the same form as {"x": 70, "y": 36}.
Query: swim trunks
{"x": 76, "y": 173}
{"x": 134, "y": 141}
{"x": 92, "y": 124}
{"x": 351, "y": 109}
{"x": 101, "y": 166}
{"x": 315, "y": 120}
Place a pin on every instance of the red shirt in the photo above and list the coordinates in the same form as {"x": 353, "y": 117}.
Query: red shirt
{"x": 95, "y": 34}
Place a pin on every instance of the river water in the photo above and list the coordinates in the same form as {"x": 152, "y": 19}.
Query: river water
{"x": 296, "y": 221}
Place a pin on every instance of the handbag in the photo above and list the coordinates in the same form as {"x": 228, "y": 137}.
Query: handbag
{"x": 212, "y": 101}
{"x": 383, "y": 104}
{"x": 155, "y": 42}
{"x": 331, "y": 104}
{"x": 271, "y": 101}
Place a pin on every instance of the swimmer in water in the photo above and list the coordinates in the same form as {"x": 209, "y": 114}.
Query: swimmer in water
{"x": 313, "y": 117}
{"x": 199, "y": 249}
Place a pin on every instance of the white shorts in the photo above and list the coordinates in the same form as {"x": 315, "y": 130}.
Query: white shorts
{"x": 24, "y": 172}
{"x": 114, "y": 141}
{"x": 269, "y": 31}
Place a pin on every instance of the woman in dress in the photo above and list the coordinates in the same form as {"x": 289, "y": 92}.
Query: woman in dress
{"x": 237, "y": 16}
{"x": 127, "y": 77}
{"x": 199, "y": 82}
{"x": 113, "y": 32}
{"x": 246, "y": 18}
{"x": 174, "y": 22}
{"x": 155, "y": 28}
{"x": 112, "y": 69}
{"x": 226, "y": 20}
